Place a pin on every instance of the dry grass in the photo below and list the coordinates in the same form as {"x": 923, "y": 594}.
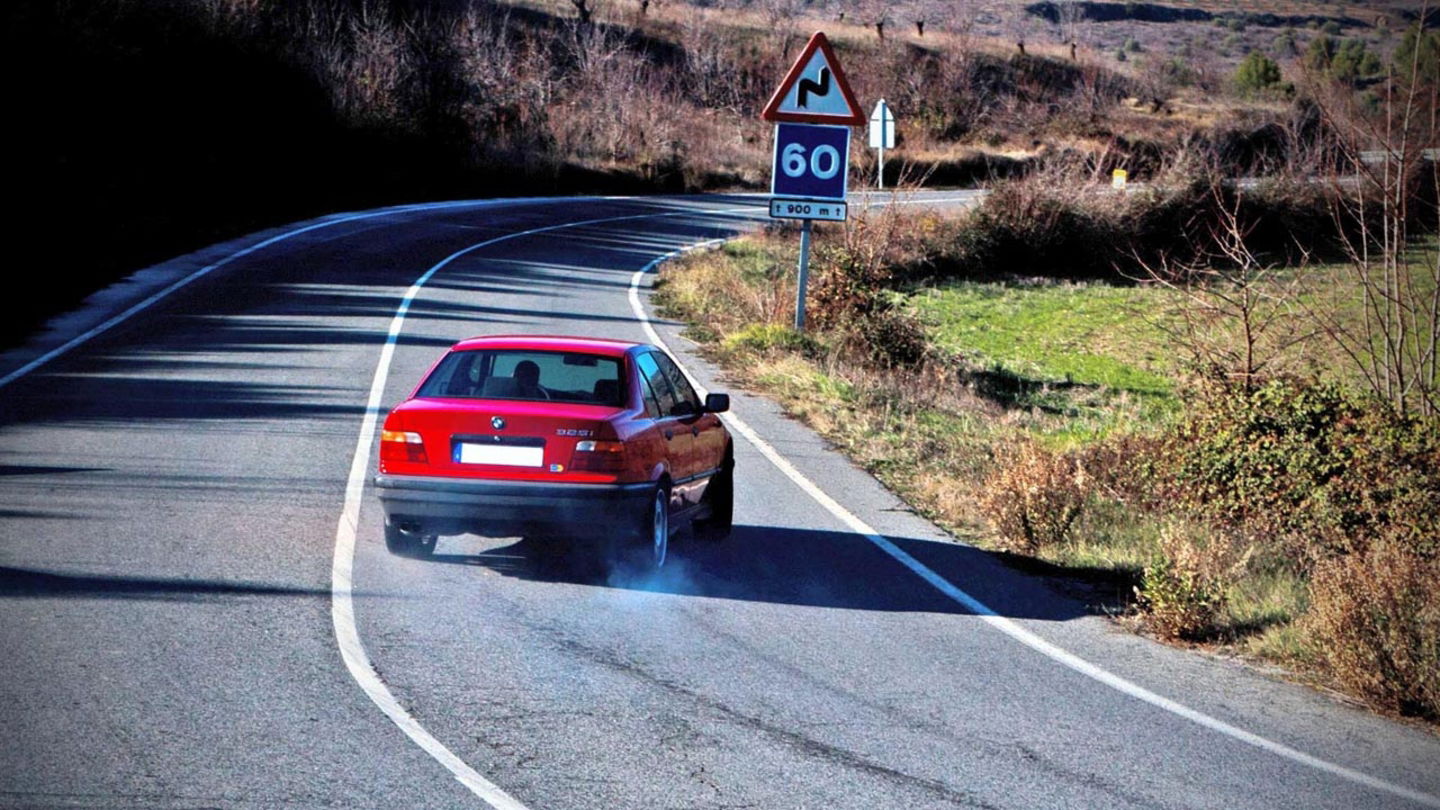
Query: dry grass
{"x": 1034, "y": 497}
{"x": 1376, "y": 615}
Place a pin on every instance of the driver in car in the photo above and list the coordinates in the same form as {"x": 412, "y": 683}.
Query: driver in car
{"x": 527, "y": 381}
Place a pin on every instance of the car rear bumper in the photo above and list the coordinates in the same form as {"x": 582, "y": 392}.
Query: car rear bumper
{"x": 436, "y": 505}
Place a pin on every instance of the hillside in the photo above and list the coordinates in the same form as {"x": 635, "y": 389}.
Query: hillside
{"x": 165, "y": 125}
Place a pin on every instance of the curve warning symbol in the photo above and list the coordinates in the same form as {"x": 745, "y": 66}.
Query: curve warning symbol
{"x": 815, "y": 90}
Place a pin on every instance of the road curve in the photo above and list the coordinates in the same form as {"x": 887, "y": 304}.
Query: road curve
{"x": 169, "y": 495}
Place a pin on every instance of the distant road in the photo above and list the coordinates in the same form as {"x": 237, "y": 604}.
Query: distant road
{"x": 171, "y": 488}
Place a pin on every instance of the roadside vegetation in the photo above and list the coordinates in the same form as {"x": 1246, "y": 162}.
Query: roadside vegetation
{"x": 1215, "y": 402}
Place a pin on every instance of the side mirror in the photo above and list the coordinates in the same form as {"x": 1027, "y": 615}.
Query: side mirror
{"x": 717, "y": 403}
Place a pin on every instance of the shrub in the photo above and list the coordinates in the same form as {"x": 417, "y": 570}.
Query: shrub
{"x": 1183, "y": 592}
{"x": 1041, "y": 226}
{"x": 893, "y": 337}
{"x": 1304, "y": 470}
{"x": 1319, "y": 53}
{"x": 1051, "y": 225}
{"x": 1377, "y": 616}
{"x": 1178, "y": 71}
{"x": 1034, "y": 498}
{"x": 1257, "y": 73}
{"x": 766, "y": 337}
{"x": 1122, "y": 468}
{"x": 1419, "y": 52}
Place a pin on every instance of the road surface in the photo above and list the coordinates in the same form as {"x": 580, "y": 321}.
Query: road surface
{"x": 172, "y": 618}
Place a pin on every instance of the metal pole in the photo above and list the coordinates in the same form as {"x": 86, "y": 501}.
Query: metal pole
{"x": 803, "y": 275}
{"x": 880, "y": 172}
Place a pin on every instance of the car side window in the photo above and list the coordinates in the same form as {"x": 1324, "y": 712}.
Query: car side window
{"x": 686, "y": 400}
{"x": 647, "y": 393}
{"x": 655, "y": 379}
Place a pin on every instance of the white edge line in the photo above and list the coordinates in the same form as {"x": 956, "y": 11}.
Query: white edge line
{"x": 151, "y": 300}
{"x": 1007, "y": 626}
{"x": 342, "y": 613}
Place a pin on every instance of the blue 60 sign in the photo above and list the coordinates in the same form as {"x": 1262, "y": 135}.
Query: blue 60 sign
{"x": 811, "y": 161}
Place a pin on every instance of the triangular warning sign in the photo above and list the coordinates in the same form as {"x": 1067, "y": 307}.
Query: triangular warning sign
{"x": 815, "y": 90}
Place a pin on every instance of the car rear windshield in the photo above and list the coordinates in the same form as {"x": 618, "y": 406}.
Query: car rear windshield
{"x": 525, "y": 374}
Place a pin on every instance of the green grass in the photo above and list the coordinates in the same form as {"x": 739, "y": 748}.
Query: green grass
{"x": 1090, "y": 334}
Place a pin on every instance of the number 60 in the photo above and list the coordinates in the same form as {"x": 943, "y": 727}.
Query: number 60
{"x": 824, "y": 161}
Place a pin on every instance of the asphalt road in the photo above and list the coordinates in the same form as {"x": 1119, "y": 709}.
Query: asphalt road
{"x": 169, "y": 497}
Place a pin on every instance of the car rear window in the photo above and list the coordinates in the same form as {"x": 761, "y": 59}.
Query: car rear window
{"x": 523, "y": 374}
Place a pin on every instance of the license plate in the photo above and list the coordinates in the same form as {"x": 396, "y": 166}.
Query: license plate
{"x": 507, "y": 455}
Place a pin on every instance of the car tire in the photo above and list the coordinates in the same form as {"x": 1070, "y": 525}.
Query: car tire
{"x": 649, "y": 551}
{"x": 720, "y": 497}
{"x": 408, "y": 544}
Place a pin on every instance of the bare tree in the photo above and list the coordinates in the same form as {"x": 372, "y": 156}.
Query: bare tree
{"x": 1380, "y": 211}
{"x": 1236, "y": 318}
{"x": 780, "y": 17}
{"x": 1070, "y": 22}
{"x": 925, "y": 12}
{"x": 875, "y": 14}
{"x": 586, "y": 9}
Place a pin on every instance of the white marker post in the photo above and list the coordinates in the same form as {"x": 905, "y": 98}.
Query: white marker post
{"x": 882, "y": 136}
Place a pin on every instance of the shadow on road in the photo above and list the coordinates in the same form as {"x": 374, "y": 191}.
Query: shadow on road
{"x": 25, "y": 583}
{"x": 815, "y": 568}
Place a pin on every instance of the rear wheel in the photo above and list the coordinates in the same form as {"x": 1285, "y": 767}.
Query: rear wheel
{"x": 408, "y": 544}
{"x": 650, "y": 548}
{"x": 720, "y": 497}
{"x": 659, "y": 529}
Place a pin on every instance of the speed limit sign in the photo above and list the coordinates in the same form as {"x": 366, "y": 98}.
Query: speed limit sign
{"x": 811, "y": 161}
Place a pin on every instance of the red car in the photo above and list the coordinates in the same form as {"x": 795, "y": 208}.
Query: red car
{"x": 555, "y": 437}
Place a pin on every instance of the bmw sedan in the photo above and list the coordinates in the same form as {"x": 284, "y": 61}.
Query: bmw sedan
{"x": 568, "y": 439}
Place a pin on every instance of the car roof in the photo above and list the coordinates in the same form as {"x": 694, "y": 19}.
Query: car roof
{"x": 553, "y": 343}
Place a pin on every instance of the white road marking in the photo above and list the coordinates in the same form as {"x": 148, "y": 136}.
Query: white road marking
{"x": 1007, "y": 626}
{"x": 342, "y": 612}
{"x": 151, "y": 300}
{"x": 239, "y": 254}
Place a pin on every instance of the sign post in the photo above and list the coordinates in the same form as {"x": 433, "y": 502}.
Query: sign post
{"x": 882, "y": 136}
{"x": 802, "y": 276}
{"x": 813, "y": 110}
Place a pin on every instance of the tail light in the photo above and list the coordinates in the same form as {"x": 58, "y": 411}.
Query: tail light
{"x": 598, "y": 456}
{"x": 396, "y": 445}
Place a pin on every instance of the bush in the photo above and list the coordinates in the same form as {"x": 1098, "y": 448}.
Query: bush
{"x": 1303, "y": 470}
{"x": 893, "y": 337}
{"x": 1376, "y": 614}
{"x": 1034, "y": 498}
{"x": 1418, "y": 51}
{"x": 767, "y": 337}
{"x": 1183, "y": 592}
{"x": 1039, "y": 226}
{"x": 1257, "y": 73}
{"x": 1056, "y": 225}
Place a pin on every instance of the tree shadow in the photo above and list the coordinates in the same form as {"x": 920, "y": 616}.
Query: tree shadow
{"x": 22, "y": 583}
{"x": 814, "y": 568}
{"x": 82, "y": 398}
